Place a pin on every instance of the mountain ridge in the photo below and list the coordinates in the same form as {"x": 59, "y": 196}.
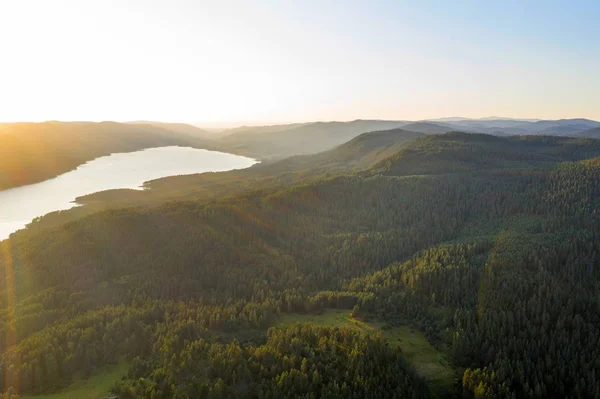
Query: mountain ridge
{"x": 34, "y": 152}
{"x": 474, "y": 240}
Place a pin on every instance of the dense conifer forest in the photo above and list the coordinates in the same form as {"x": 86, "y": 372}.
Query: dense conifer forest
{"x": 490, "y": 246}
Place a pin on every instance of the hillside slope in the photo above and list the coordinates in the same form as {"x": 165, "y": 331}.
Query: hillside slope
{"x": 463, "y": 152}
{"x": 298, "y": 140}
{"x": 427, "y": 128}
{"x": 591, "y": 133}
{"x": 183, "y": 128}
{"x": 358, "y": 154}
{"x": 33, "y": 152}
{"x": 510, "y": 127}
{"x": 489, "y": 245}
{"x": 260, "y": 129}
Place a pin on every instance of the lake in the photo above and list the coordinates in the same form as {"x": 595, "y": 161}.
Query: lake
{"x": 19, "y": 206}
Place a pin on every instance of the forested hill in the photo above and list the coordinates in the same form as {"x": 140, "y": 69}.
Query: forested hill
{"x": 591, "y": 133}
{"x": 358, "y": 154}
{"x": 490, "y": 246}
{"x": 394, "y": 151}
{"x": 508, "y": 127}
{"x": 285, "y": 141}
{"x": 465, "y": 152}
{"x": 184, "y": 128}
{"x": 33, "y": 152}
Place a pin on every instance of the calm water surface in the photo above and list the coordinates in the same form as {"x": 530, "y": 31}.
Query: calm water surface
{"x": 19, "y": 206}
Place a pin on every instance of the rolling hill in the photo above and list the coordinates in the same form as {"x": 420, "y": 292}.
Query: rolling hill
{"x": 488, "y": 246}
{"x": 261, "y": 129}
{"x": 591, "y": 133}
{"x": 33, "y": 152}
{"x": 309, "y": 138}
{"x": 509, "y": 127}
{"x": 358, "y": 154}
{"x": 427, "y": 128}
{"x": 458, "y": 152}
{"x": 183, "y": 128}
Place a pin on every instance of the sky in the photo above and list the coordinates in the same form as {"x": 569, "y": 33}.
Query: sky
{"x": 227, "y": 62}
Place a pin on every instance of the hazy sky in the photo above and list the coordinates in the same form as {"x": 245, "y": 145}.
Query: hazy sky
{"x": 277, "y": 61}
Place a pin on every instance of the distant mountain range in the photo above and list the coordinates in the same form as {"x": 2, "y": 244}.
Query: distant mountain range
{"x": 510, "y": 127}
{"x": 280, "y": 141}
{"x": 32, "y": 152}
{"x": 296, "y": 139}
{"x": 487, "y": 118}
{"x": 183, "y": 128}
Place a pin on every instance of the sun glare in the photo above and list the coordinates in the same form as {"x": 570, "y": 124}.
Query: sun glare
{"x": 253, "y": 62}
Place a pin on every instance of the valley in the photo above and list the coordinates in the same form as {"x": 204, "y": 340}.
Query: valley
{"x": 34, "y": 152}
{"x": 458, "y": 249}
{"x": 299, "y": 200}
{"x": 128, "y": 171}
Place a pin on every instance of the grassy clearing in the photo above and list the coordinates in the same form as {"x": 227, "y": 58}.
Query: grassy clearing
{"x": 428, "y": 362}
{"x": 96, "y": 387}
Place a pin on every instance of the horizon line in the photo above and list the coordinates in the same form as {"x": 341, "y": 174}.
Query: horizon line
{"x": 234, "y": 124}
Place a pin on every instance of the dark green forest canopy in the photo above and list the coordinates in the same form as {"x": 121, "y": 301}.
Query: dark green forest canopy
{"x": 491, "y": 246}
